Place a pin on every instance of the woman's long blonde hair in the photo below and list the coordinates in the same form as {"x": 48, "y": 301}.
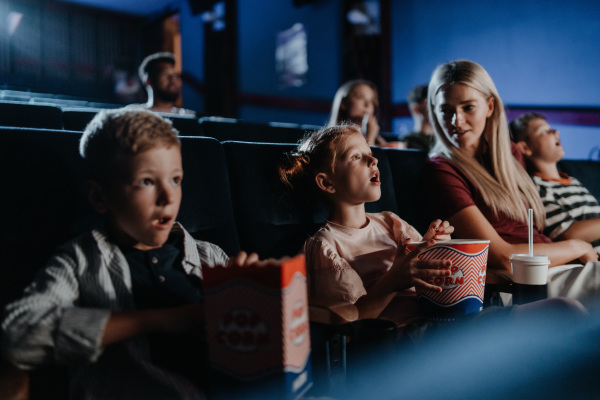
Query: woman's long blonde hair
{"x": 506, "y": 187}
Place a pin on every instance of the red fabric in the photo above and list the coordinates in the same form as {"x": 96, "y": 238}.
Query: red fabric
{"x": 447, "y": 191}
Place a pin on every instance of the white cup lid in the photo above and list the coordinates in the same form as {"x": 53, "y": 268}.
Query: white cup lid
{"x": 536, "y": 258}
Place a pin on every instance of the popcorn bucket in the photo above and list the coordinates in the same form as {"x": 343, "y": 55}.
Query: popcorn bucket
{"x": 258, "y": 330}
{"x": 462, "y": 291}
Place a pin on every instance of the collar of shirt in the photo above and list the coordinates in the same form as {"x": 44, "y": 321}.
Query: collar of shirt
{"x": 110, "y": 251}
{"x": 563, "y": 180}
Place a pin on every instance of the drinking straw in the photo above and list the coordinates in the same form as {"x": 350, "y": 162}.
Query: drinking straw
{"x": 365, "y": 122}
{"x": 530, "y": 227}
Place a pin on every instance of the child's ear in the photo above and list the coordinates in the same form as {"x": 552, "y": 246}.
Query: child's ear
{"x": 95, "y": 194}
{"x": 324, "y": 183}
{"x": 524, "y": 148}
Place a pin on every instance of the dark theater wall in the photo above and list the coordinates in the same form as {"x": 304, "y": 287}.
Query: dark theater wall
{"x": 192, "y": 54}
{"x": 538, "y": 53}
{"x": 65, "y": 48}
{"x": 259, "y": 23}
{"x": 541, "y": 55}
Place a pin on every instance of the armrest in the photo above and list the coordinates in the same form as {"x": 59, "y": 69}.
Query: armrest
{"x": 14, "y": 382}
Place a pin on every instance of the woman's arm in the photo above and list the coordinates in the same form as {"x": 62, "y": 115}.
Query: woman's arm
{"x": 470, "y": 223}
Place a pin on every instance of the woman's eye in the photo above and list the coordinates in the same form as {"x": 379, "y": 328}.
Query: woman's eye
{"x": 177, "y": 180}
{"x": 146, "y": 182}
{"x": 469, "y": 107}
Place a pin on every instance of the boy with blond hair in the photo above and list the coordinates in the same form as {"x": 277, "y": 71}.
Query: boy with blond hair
{"x": 122, "y": 305}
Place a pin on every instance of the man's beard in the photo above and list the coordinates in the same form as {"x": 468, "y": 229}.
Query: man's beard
{"x": 166, "y": 96}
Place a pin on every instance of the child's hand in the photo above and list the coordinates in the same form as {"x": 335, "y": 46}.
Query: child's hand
{"x": 411, "y": 271}
{"x": 370, "y": 128}
{"x": 439, "y": 230}
{"x": 588, "y": 252}
{"x": 271, "y": 262}
{"x": 242, "y": 259}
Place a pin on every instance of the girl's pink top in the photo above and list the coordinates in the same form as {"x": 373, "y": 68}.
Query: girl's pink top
{"x": 343, "y": 263}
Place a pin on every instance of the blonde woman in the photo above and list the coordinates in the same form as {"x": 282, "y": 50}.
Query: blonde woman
{"x": 486, "y": 192}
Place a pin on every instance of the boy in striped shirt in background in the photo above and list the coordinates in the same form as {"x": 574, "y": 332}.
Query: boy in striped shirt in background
{"x": 572, "y": 212}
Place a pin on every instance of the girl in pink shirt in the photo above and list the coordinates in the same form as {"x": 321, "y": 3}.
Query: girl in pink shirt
{"x": 357, "y": 260}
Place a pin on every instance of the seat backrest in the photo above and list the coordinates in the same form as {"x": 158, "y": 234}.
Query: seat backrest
{"x": 76, "y": 119}
{"x": 206, "y": 208}
{"x": 43, "y": 201}
{"x": 407, "y": 166}
{"x": 27, "y": 115}
{"x": 586, "y": 171}
{"x": 186, "y": 125}
{"x": 272, "y": 221}
{"x": 45, "y": 205}
{"x": 233, "y": 130}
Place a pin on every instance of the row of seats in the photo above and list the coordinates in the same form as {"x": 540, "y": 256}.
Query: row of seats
{"x": 232, "y": 197}
{"x": 50, "y": 116}
{"x": 61, "y": 100}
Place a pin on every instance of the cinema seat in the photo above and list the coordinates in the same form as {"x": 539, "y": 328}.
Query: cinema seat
{"x": 30, "y": 115}
{"x": 44, "y": 206}
{"x": 43, "y": 201}
{"x": 227, "y": 129}
{"x": 271, "y": 221}
{"x": 187, "y": 125}
{"x": 76, "y": 119}
{"x": 206, "y": 208}
{"x": 586, "y": 171}
{"x": 406, "y": 166}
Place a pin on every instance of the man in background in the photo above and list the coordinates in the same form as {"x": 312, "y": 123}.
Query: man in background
{"x": 163, "y": 83}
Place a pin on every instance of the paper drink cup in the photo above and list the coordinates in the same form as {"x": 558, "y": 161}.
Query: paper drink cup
{"x": 530, "y": 277}
{"x": 462, "y": 291}
{"x": 530, "y": 270}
